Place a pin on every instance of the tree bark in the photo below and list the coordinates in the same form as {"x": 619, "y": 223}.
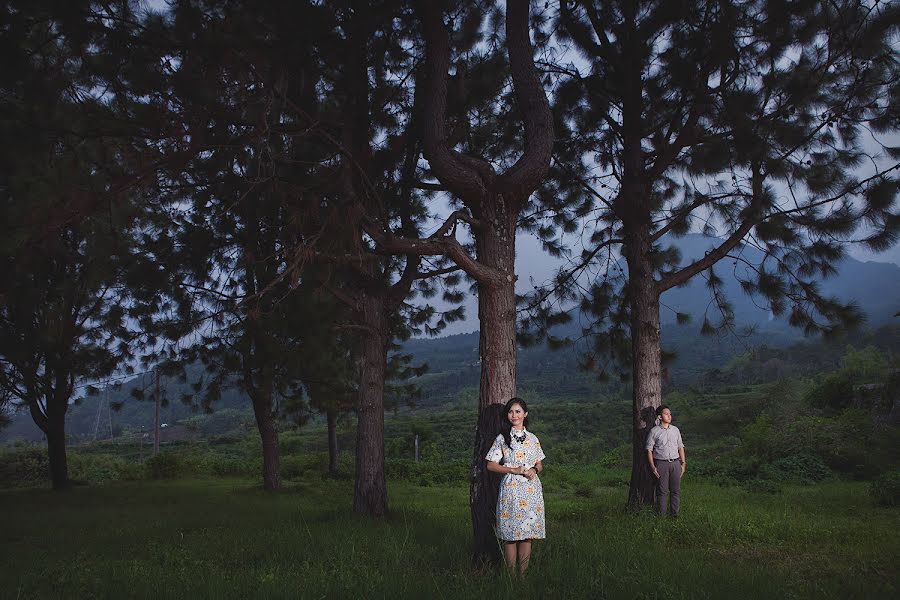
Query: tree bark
{"x": 645, "y": 360}
{"x": 484, "y": 487}
{"x": 331, "y": 417}
{"x": 268, "y": 433}
{"x": 56, "y": 446}
{"x": 370, "y": 488}
{"x": 634, "y": 206}
{"x": 495, "y": 245}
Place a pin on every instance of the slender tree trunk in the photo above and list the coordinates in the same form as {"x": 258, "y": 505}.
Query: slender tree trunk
{"x": 645, "y": 360}
{"x": 370, "y": 489}
{"x": 331, "y": 416}
{"x": 56, "y": 443}
{"x": 497, "y": 340}
{"x": 268, "y": 433}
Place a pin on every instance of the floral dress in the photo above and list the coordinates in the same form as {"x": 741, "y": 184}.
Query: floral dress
{"x": 520, "y": 507}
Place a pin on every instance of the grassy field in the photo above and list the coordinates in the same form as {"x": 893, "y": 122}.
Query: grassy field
{"x": 224, "y": 538}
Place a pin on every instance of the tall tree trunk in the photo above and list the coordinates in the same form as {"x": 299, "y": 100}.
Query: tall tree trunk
{"x": 331, "y": 416}
{"x": 497, "y": 341}
{"x": 268, "y": 433}
{"x": 56, "y": 443}
{"x": 495, "y": 202}
{"x": 634, "y": 207}
{"x": 645, "y": 360}
{"x": 370, "y": 489}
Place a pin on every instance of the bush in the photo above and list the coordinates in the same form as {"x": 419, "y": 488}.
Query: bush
{"x": 885, "y": 490}
{"x": 100, "y": 468}
{"x": 728, "y": 469}
{"x": 165, "y": 465}
{"x": 800, "y": 468}
{"x": 230, "y": 466}
{"x": 29, "y": 466}
{"x": 835, "y": 392}
{"x": 428, "y": 472}
{"x": 293, "y": 467}
{"x": 620, "y": 456}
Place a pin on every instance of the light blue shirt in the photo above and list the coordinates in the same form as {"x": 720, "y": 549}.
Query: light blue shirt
{"x": 664, "y": 442}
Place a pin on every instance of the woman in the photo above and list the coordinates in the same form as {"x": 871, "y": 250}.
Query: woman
{"x": 520, "y": 507}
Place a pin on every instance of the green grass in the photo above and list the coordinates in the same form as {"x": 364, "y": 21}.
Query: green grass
{"x": 224, "y": 538}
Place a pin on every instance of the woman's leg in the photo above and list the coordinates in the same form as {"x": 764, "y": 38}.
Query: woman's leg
{"x": 524, "y": 552}
{"x": 510, "y": 554}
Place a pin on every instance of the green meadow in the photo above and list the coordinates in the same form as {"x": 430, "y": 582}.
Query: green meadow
{"x": 225, "y": 538}
{"x": 792, "y": 491}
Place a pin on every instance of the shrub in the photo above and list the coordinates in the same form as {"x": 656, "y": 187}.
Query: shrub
{"x": 100, "y": 468}
{"x": 835, "y": 392}
{"x": 428, "y": 472}
{"x": 165, "y": 465}
{"x": 230, "y": 466}
{"x": 293, "y": 467}
{"x": 620, "y": 456}
{"x": 885, "y": 490}
{"x": 801, "y": 468}
{"x": 28, "y": 466}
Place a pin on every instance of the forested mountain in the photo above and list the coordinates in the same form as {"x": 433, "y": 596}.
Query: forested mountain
{"x": 771, "y": 352}
{"x": 453, "y": 361}
{"x": 454, "y": 367}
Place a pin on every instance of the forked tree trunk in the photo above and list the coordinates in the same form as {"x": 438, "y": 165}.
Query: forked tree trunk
{"x": 370, "y": 489}
{"x": 645, "y": 360}
{"x": 495, "y": 201}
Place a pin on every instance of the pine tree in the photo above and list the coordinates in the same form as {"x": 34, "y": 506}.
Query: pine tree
{"x": 378, "y": 132}
{"x": 493, "y": 204}
{"x": 742, "y": 120}
{"x": 66, "y": 217}
{"x": 221, "y": 91}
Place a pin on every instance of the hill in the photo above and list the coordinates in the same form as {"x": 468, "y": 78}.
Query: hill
{"x": 453, "y": 361}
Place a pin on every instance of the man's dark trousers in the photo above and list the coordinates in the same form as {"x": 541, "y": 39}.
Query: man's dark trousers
{"x": 669, "y": 484}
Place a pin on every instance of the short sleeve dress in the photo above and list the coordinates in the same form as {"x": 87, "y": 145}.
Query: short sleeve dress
{"x": 520, "y": 506}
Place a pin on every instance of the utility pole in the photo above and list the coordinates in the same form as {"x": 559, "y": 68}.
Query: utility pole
{"x": 417, "y": 447}
{"x": 99, "y": 410}
{"x": 156, "y": 425}
{"x": 109, "y": 413}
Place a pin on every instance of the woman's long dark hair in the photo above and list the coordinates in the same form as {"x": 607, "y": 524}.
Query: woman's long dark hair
{"x": 507, "y": 434}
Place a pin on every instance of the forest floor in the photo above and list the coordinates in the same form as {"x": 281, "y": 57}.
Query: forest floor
{"x": 225, "y": 538}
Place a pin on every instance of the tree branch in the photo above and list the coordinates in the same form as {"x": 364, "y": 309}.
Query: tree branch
{"x": 468, "y": 178}
{"x": 679, "y": 277}
{"x": 527, "y": 173}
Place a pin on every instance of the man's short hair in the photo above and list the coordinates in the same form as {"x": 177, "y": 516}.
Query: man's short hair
{"x": 660, "y": 410}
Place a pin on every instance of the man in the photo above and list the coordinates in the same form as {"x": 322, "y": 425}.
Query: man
{"x": 665, "y": 450}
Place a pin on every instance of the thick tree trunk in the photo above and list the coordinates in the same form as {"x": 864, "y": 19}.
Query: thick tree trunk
{"x": 645, "y": 360}
{"x": 370, "y": 489}
{"x": 485, "y": 487}
{"x": 268, "y": 433}
{"x": 331, "y": 417}
{"x": 56, "y": 447}
{"x": 497, "y": 318}
{"x": 475, "y": 181}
